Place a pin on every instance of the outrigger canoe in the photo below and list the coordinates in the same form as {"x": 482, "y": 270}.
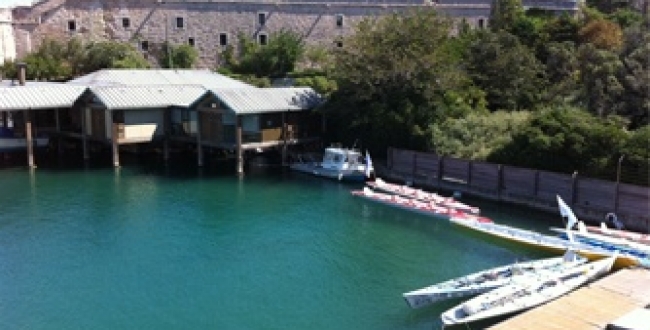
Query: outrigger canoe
{"x": 490, "y": 279}
{"x": 524, "y": 295}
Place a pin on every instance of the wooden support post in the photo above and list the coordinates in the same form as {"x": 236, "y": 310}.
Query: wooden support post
{"x": 29, "y": 139}
{"x": 115, "y": 141}
{"x": 470, "y": 167}
{"x": 199, "y": 142}
{"x": 240, "y": 150}
{"x": 284, "y": 138}
{"x": 57, "y": 124}
{"x": 167, "y": 133}
{"x": 499, "y": 181}
{"x": 84, "y": 133}
{"x": 441, "y": 168}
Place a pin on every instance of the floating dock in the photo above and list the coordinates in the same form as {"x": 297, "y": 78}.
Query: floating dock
{"x": 617, "y": 301}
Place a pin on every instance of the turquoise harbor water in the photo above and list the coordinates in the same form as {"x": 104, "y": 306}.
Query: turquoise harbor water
{"x": 148, "y": 247}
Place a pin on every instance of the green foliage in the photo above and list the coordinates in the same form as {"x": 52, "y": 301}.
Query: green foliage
{"x": 598, "y": 70}
{"x": 562, "y": 71}
{"x": 634, "y": 76}
{"x": 626, "y": 17}
{"x": 504, "y": 14}
{"x": 508, "y": 72}
{"x": 565, "y": 140}
{"x": 636, "y": 159}
{"x": 395, "y": 76}
{"x": 477, "y": 135}
{"x": 109, "y": 54}
{"x": 178, "y": 57}
{"x": 275, "y": 59}
{"x": 319, "y": 83}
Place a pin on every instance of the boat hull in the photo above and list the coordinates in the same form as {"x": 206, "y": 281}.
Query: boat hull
{"x": 340, "y": 175}
{"x": 548, "y": 243}
{"x": 489, "y": 279}
{"x": 9, "y": 144}
{"x": 525, "y": 295}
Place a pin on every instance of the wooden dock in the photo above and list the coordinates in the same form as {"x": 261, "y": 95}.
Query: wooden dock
{"x": 596, "y": 306}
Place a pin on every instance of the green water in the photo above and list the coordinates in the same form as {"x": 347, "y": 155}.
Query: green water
{"x": 147, "y": 247}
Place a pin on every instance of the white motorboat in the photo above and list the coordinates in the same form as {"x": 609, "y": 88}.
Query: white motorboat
{"x": 520, "y": 296}
{"x": 342, "y": 164}
{"x": 490, "y": 279}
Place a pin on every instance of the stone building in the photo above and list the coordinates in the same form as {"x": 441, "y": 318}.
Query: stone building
{"x": 211, "y": 25}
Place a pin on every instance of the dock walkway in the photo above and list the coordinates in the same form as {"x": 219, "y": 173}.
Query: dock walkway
{"x": 596, "y": 306}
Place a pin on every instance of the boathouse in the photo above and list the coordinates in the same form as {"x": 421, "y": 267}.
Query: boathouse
{"x": 192, "y": 107}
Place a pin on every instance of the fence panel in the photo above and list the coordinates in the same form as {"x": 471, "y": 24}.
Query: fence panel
{"x": 550, "y": 184}
{"x": 427, "y": 166}
{"x": 455, "y": 170}
{"x": 485, "y": 177}
{"x": 402, "y": 162}
{"x": 519, "y": 182}
{"x": 591, "y": 199}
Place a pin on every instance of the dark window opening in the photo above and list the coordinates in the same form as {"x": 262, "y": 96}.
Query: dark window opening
{"x": 223, "y": 39}
{"x": 339, "y": 44}
{"x": 481, "y": 23}
{"x": 72, "y": 25}
{"x": 126, "y": 22}
{"x": 261, "y": 18}
{"x": 180, "y": 22}
{"x": 339, "y": 20}
{"x": 190, "y": 41}
{"x": 263, "y": 39}
{"x": 144, "y": 45}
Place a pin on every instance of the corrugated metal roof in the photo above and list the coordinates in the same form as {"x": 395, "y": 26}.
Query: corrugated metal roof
{"x": 134, "y": 77}
{"x": 39, "y": 96}
{"x": 260, "y": 100}
{"x": 152, "y": 96}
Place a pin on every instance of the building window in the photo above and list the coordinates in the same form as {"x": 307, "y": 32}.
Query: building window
{"x": 339, "y": 20}
{"x": 223, "y": 39}
{"x": 126, "y": 22}
{"x": 190, "y": 41}
{"x": 180, "y": 23}
{"x": 339, "y": 44}
{"x": 72, "y": 25}
{"x": 261, "y": 19}
{"x": 481, "y": 23}
{"x": 144, "y": 45}
{"x": 263, "y": 39}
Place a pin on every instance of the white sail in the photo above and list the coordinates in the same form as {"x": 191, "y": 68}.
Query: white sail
{"x": 566, "y": 212}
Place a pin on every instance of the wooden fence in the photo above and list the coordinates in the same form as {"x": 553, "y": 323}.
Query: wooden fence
{"x": 591, "y": 199}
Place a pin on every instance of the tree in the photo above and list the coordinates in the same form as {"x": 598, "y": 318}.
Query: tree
{"x": 177, "y": 57}
{"x": 109, "y": 54}
{"x": 634, "y": 76}
{"x": 504, "y": 14}
{"x": 565, "y": 140}
{"x": 508, "y": 72}
{"x": 603, "y": 34}
{"x": 598, "y": 75}
{"x": 275, "y": 59}
{"x": 395, "y": 77}
{"x": 477, "y": 135}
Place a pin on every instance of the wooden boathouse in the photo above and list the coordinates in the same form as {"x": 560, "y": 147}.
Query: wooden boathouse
{"x": 191, "y": 107}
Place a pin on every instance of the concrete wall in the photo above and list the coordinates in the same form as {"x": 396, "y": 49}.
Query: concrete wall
{"x": 7, "y": 41}
{"x": 204, "y": 21}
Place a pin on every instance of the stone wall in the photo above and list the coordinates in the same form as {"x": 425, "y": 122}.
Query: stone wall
{"x": 151, "y": 22}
